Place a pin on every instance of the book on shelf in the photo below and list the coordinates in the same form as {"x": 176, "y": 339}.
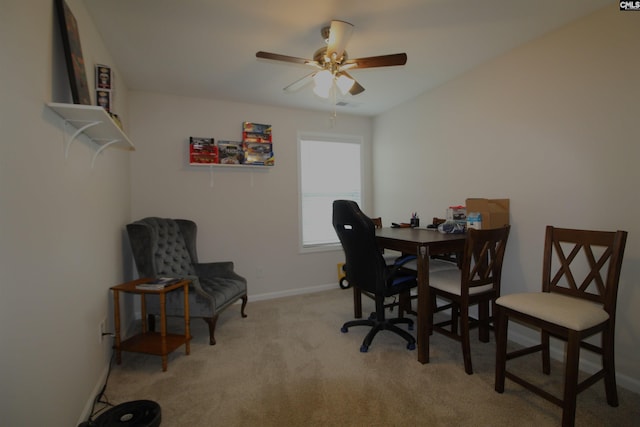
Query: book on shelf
{"x": 159, "y": 283}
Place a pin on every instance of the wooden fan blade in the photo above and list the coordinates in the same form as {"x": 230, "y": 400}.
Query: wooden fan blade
{"x": 356, "y": 88}
{"x": 339, "y": 36}
{"x": 300, "y": 83}
{"x": 285, "y": 58}
{"x": 376, "y": 61}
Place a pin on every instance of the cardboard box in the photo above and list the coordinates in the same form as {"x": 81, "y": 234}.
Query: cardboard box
{"x": 495, "y": 212}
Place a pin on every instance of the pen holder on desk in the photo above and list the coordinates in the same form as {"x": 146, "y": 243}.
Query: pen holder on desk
{"x": 415, "y": 222}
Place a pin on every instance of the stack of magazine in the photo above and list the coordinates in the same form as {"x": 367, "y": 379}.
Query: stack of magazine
{"x": 159, "y": 283}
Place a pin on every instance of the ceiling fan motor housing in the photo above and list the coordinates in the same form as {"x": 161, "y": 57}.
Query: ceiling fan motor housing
{"x": 320, "y": 56}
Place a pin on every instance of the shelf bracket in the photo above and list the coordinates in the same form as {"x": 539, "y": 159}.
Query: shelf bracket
{"x": 77, "y": 132}
{"x": 102, "y": 148}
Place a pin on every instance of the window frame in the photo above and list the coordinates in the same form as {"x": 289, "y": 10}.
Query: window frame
{"x": 325, "y": 137}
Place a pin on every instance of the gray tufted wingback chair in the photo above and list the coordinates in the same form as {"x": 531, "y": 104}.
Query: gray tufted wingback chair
{"x": 167, "y": 248}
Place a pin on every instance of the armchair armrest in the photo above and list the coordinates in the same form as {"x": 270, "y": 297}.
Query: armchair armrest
{"x": 195, "y": 282}
{"x": 217, "y": 269}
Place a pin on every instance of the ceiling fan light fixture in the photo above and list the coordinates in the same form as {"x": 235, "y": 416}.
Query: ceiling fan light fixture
{"x": 323, "y": 81}
{"x": 344, "y": 83}
{"x": 322, "y": 92}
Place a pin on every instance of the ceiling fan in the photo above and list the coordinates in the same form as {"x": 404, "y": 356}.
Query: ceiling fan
{"x": 332, "y": 62}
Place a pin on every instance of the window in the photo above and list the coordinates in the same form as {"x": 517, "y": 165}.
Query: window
{"x": 329, "y": 169}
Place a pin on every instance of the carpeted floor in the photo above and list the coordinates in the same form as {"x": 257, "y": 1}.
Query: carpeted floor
{"x": 288, "y": 364}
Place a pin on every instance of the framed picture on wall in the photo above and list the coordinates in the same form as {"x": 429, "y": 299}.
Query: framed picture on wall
{"x": 103, "y": 77}
{"x": 104, "y": 99}
{"x": 73, "y": 54}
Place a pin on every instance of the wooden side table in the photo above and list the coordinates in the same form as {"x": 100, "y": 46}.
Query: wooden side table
{"x": 160, "y": 344}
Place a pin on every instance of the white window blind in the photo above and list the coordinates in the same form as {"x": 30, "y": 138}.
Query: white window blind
{"x": 330, "y": 169}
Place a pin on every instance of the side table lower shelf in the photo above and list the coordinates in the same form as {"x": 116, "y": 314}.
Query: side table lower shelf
{"x": 155, "y": 343}
{"x": 151, "y": 343}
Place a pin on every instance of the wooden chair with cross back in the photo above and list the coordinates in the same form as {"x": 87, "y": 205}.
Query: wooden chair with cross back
{"x": 580, "y": 275}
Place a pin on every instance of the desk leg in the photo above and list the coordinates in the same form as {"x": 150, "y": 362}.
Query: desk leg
{"x": 424, "y": 317}
{"x": 116, "y": 323}
{"x": 163, "y": 329}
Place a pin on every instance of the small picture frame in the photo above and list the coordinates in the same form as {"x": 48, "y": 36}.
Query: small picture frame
{"x": 73, "y": 54}
{"x": 103, "y": 99}
{"x": 104, "y": 80}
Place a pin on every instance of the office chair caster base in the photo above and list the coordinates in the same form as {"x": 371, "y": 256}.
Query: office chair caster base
{"x": 344, "y": 329}
{"x": 411, "y": 346}
{"x": 364, "y": 348}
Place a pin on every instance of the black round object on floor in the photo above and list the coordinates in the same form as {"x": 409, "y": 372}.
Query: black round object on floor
{"x": 138, "y": 413}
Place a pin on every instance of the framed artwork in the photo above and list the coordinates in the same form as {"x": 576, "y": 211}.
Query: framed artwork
{"x": 103, "y": 77}
{"x": 73, "y": 54}
{"x": 104, "y": 99}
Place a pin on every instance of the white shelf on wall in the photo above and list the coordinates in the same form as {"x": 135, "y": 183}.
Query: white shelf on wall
{"x": 95, "y": 123}
{"x": 236, "y": 166}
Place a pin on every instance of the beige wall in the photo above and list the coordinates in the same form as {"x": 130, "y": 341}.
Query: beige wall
{"x": 61, "y": 226}
{"x": 249, "y": 216}
{"x": 551, "y": 125}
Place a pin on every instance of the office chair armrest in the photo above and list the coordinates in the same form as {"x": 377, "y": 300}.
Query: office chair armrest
{"x": 398, "y": 267}
{"x": 403, "y": 260}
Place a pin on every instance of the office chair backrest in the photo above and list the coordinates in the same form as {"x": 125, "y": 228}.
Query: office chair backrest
{"x": 584, "y": 264}
{"x": 365, "y": 265}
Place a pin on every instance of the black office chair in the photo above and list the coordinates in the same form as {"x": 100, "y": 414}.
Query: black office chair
{"x": 368, "y": 271}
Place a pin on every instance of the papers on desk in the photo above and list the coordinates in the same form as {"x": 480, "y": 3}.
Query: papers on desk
{"x": 159, "y": 283}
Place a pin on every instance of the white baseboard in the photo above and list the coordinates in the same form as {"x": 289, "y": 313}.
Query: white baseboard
{"x": 292, "y": 292}
{"x": 86, "y": 411}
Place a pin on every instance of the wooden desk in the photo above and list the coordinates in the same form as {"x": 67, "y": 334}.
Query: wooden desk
{"x": 151, "y": 342}
{"x": 423, "y": 243}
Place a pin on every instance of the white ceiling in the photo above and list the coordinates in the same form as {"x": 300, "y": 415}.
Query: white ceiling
{"x": 206, "y": 48}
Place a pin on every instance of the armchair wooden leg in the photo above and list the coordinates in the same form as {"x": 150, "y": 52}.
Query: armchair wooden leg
{"x": 244, "y": 304}
{"x": 211, "y": 321}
